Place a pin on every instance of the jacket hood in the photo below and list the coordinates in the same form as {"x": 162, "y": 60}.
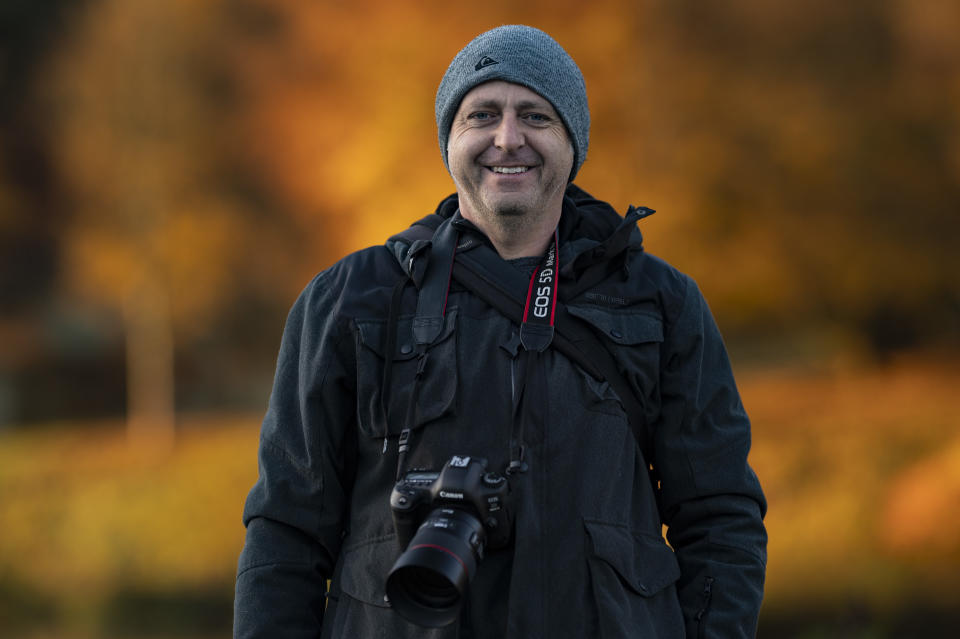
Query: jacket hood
{"x": 591, "y": 231}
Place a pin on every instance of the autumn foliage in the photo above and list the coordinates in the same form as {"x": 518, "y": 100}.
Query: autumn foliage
{"x": 172, "y": 173}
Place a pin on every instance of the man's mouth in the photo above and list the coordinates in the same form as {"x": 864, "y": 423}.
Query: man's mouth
{"x": 509, "y": 169}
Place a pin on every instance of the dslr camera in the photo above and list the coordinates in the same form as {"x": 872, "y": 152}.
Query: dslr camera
{"x": 445, "y": 520}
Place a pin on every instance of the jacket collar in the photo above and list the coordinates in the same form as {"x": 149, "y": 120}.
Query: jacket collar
{"x": 591, "y": 231}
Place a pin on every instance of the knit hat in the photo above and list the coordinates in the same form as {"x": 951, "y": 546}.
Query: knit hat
{"x": 526, "y": 56}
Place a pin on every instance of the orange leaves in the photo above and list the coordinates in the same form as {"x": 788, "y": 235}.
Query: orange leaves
{"x": 921, "y": 517}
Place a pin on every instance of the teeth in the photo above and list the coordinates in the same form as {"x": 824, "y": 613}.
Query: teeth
{"x": 509, "y": 169}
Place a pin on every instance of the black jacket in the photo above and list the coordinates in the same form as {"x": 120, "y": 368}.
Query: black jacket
{"x": 587, "y": 557}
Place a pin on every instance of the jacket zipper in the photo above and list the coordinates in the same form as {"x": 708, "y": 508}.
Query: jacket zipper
{"x": 701, "y": 617}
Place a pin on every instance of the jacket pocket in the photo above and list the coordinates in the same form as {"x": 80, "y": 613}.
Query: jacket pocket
{"x": 362, "y": 609}
{"x": 626, "y": 327}
{"x": 635, "y": 337}
{"x": 632, "y": 577}
{"x": 437, "y": 369}
{"x": 365, "y": 568}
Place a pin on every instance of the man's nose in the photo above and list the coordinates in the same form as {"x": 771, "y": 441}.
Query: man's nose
{"x": 509, "y": 135}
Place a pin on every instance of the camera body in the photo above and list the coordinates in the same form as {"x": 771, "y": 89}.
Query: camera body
{"x": 444, "y": 521}
{"x": 464, "y": 484}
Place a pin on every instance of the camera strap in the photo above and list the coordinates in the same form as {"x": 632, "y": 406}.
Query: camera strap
{"x": 427, "y": 326}
{"x": 478, "y": 269}
{"x": 536, "y": 335}
{"x": 481, "y": 274}
{"x": 540, "y": 309}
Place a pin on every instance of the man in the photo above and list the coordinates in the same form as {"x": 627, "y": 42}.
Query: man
{"x": 523, "y": 325}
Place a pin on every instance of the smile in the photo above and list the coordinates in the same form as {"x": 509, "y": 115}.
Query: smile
{"x": 509, "y": 169}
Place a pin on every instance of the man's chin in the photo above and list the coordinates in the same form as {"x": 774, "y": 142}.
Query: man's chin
{"x": 511, "y": 210}
{"x": 510, "y": 206}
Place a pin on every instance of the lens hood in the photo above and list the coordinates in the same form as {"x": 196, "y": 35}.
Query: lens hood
{"x": 427, "y": 583}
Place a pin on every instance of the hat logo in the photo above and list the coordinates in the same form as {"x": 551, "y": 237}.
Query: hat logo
{"x": 485, "y": 61}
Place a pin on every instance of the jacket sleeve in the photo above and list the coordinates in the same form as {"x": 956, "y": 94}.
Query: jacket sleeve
{"x": 712, "y": 502}
{"x": 294, "y": 513}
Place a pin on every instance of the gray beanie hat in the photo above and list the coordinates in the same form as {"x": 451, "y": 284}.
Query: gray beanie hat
{"x": 526, "y": 56}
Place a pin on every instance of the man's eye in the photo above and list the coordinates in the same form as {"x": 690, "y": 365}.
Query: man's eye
{"x": 480, "y": 115}
{"x": 537, "y": 117}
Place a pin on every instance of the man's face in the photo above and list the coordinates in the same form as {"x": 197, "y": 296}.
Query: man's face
{"x": 509, "y": 155}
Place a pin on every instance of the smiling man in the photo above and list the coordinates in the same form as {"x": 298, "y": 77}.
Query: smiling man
{"x": 481, "y": 428}
{"x": 510, "y": 158}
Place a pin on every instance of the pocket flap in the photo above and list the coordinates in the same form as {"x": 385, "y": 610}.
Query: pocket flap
{"x": 431, "y": 382}
{"x": 645, "y": 563}
{"x": 623, "y": 327}
{"x": 365, "y": 569}
{"x": 373, "y": 334}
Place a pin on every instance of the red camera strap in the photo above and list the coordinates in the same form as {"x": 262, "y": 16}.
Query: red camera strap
{"x": 540, "y": 309}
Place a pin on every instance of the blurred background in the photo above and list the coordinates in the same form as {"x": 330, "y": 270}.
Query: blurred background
{"x": 172, "y": 173}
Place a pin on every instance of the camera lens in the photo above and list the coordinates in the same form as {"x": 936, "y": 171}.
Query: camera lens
{"x": 428, "y": 581}
{"x": 427, "y": 588}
